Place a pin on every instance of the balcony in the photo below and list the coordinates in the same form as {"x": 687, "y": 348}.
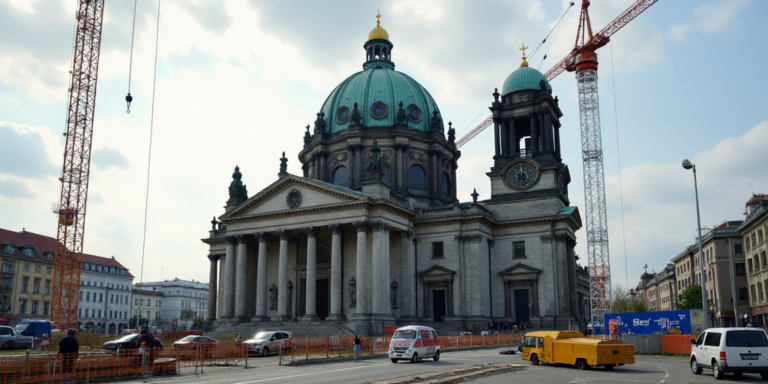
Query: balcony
{"x": 7, "y": 271}
{"x": 6, "y": 288}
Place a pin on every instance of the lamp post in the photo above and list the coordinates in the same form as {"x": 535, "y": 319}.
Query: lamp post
{"x": 688, "y": 165}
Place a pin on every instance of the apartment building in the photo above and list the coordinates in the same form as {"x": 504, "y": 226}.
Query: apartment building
{"x": 754, "y": 231}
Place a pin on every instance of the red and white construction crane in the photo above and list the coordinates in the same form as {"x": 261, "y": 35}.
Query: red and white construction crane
{"x": 583, "y": 60}
{"x": 77, "y": 164}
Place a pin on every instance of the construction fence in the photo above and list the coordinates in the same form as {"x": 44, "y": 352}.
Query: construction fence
{"x": 309, "y": 348}
{"x": 88, "y": 366}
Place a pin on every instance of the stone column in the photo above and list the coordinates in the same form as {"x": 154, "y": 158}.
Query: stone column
{"x": 505, "y": 137}
{"x": 240, "y": 276}
{"x": 310, "y": 308}
{"x": 534, "y": 134}
{"x": 337, "y": 313}
{"x": 282, "y": 278}
{"x": 557, "y": 140}
{"x": 387, "y": 280}
{"x": 222, "y": 288}
{"x": 454, "y": 167}
{"x": 377, "y": 278}
{"x": 407, "y": 298}
{"x": 496, "y": 136}
{"x": 546, "y": 122}
{"x": 352, "y": 167}
{"x": 261, "y": 279}
{"x": 229, "y": 280}
{"x": 361, "y": 269}
{"x": 360, "y": 168}
{"x": 212, "y": 285}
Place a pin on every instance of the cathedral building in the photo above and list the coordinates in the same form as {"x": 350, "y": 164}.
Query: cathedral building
{"x": 370, "y": 231}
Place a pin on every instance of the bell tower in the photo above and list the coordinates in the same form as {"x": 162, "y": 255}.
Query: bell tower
{"x": 527, "y": 155}
{"x": 378, "y": 48}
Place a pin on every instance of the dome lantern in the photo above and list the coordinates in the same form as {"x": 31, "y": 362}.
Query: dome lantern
{"x": 378, "y": 48}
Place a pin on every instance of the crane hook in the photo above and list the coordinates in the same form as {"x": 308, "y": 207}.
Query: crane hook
{"x": 128, "y": 100}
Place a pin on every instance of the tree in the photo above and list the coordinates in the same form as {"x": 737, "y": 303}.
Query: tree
{"x": 198, "y": 323}
{"x": 623, "y": 302}
{"x": 690, "y": 298}
{"x": 187, "y": 315}
{"x": 134, "y": 322}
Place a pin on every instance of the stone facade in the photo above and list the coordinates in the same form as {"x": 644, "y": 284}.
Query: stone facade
{"x": 371, "y": 232}
{"x": 754, "y": 231}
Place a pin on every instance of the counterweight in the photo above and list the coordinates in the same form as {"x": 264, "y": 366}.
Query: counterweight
{"x": 77, "y": 163}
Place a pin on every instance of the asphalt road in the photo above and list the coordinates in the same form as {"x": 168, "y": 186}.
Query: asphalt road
{"x": 646, "y": 370}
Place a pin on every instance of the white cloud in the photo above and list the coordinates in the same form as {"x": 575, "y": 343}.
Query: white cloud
{"x": 715, "y": 15}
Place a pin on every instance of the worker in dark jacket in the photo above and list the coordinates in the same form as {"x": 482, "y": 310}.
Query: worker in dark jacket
{"x": 68, "y": 350}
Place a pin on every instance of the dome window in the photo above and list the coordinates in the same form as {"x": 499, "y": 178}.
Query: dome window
{"x": 416, "y": 177}
{"x": 385, "y": 169}
{"x": 342, "y": 115}
{"x": 340, "y": 176}
{"x": 414, "y": 113}
{"x": 379, "y": 110}
{"x": 445, "y": 185}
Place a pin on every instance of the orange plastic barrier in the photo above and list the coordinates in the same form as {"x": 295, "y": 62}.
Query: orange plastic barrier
{"x": 677, "y": 344}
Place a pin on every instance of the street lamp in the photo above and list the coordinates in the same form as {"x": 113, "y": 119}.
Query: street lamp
{"x": 688, "y": 165}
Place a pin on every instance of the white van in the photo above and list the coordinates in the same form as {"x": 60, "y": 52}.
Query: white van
{"x": 414, "y": 342}
{"x": 736, "y": 350}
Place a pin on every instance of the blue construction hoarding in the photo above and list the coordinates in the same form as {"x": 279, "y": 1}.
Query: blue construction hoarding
{"x": 680, "y": 322}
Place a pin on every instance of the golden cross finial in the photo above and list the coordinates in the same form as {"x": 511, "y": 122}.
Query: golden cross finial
{"x": 378, "y": 17}
{"x": 524, "y": 63}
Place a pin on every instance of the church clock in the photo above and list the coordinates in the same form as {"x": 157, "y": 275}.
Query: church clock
{"x": 521, "y": 175}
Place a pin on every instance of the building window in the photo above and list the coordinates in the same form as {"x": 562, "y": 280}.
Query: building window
{"x": 385, "y": 169}
{"x": 48, "y": 270}
{"x": 135, "y": 301}
{"x": 445, "y": 185}
{"x": 759, "y": 235}
{"x": 737, "y": 249}
{"x": 27, "y": 252}
{"x": 101, "y": 297}
{"x": 760, "y": 291}
{"x": 518, "y": 250}
{"x": 38, "y": 268}
{"x": 26, "y": 267}
{"x": 740, "y": 269}
{"x": 5, "y": 284}
{"x": 22, "y": 306}
{"x": 46, "y": 307}
{"x": 10, "y": 248}
{"x": 86, "y": 312}
{"x": 36, "y": 286}
{"x": 47, "y": 287}
{"x": 34, "y": 307}
{"x": 749, "y": 263}
{"x": 437, "y": 250}
{"x": 7, "y": 268}
{"x": 763, "y": 259}
{"x": 752, "y": 291}
{"x": 416, "y": 177}
{"x": 87, "y": 297}
{"x": 340, "y": 176}
{"x": 24, "y": 283}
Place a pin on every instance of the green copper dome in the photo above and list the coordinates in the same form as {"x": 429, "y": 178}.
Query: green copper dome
{"x": 524, "y": 78}
{"x": 378, "y": 91}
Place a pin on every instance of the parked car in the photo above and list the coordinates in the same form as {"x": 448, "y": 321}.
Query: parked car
{"x": 11, "y": 339}
{"x": 414, "y": 342}
{"x": 266, "y": 342}
{"x": 725, "y": 350}
{"x": 125, "y": 342}
{"x": 191, "y": 342}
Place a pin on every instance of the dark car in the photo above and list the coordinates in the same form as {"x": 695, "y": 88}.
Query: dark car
{"x": 125, "y": 342}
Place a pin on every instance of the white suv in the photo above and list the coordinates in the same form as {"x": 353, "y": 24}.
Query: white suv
{"x": 736, "y": 350}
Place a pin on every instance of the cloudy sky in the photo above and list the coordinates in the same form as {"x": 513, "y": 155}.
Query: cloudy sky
{"x": 237, "y": 81}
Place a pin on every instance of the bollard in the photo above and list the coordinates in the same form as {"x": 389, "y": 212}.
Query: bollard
{"x": 87, "y": 372}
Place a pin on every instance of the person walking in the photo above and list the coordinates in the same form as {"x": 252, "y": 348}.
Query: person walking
{"x": 356, "y": 347}
{"x": 68, "y": 350}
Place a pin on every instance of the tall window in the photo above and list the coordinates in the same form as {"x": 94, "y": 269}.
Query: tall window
{"x": 341, "y": 176}
{"x": 760, "y": 291}
{"x": 24, "y": 283}
{"x": 416, "y": 177}
{"x": 34, "y": 307}
{"x": 46, "y": 307}
{"x": 518, "y": 249}
{"x": 740, "y": 269}
{"x": 385, "y": 168}
{"x": 445, "y": 185}
{"x": 22, "y": 306}
{"x": 36, "y": 286}
{"x": 437, "y": 250}
{"x": 737, "y": 249}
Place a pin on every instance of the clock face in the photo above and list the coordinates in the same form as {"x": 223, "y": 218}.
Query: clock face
{"x": 521, "y": 175}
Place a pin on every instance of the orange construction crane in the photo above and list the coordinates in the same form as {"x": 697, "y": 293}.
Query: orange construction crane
{"x": 77, "y": 164}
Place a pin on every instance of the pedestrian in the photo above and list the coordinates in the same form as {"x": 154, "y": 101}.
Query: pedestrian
{"x": 147, "y": 342}
{"x": 356, "y": 347}
{"x": 68, "y": 350}
{"x": 514, "y": 328}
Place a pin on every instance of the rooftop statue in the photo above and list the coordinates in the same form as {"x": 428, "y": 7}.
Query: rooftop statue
{"x": 374, "y": 170}
{"x": 237, "y": 190}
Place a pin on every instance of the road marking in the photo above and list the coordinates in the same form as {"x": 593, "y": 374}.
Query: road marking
{"x": 307, "y": 374}
{"x": 578, "y": 380}
{"x": 665, "y": 376}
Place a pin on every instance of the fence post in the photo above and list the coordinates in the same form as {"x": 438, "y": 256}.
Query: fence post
{"x": 327, "y": 347}
{"x": 87, "y": 372}
{"x": 306, "y": 346}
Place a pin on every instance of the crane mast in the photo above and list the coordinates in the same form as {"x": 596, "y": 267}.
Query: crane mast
{"x": 76, "y": 166}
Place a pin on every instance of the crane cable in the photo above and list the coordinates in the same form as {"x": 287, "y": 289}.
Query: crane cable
{"x": 149, "y": 161}
{"x": 128, "y": 97}
{"x": 618, "y": 157}
{"x": 557, "y": 25}
{"x": 555, "y": 28}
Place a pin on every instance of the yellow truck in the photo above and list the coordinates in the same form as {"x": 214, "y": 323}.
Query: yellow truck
{"x": 574, "y": 349}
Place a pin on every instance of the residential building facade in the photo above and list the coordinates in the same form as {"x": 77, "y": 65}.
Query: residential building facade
{"x": 105, "y": 295}
{"x": 754, "y": 231}
{"x": 178, "y": 294}
{"x": 147, "y": 307}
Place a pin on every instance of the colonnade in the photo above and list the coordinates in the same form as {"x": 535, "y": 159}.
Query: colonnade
{"x": 231, "y": 293}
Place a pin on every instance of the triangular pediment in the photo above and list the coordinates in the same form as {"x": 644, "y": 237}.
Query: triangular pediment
{"x": 519, "y": 271}
{"x": 294, "y": 193}
{"x": 436, "y": 272}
